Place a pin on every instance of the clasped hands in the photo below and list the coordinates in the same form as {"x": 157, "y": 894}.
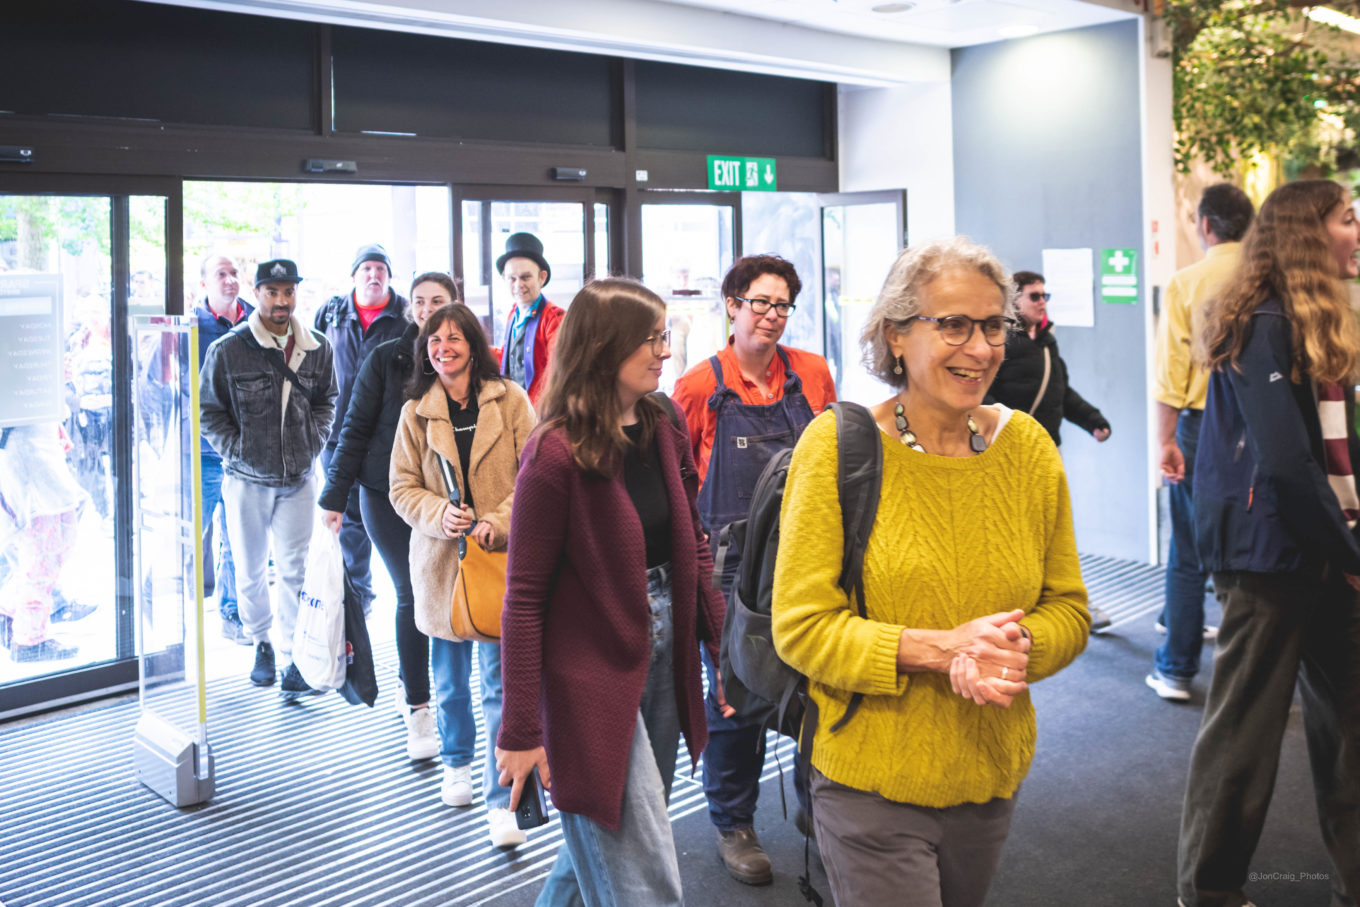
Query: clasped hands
{"x": 991, "y": 659}
{"x": 458, "y": 521}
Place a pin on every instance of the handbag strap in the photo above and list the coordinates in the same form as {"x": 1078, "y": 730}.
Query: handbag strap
{"x": 1043, "y": 385}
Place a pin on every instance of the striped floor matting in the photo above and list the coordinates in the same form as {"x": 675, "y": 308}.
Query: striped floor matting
{"x": 316, "y": 804}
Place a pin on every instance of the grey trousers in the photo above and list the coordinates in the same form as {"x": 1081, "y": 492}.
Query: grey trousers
{"x": 877, "y": 851}
{"x": 256, "y": 516}
{"x": 1277, "y": 628}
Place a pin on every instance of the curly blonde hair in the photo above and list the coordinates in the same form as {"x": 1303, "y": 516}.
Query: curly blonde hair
{"x": 1287, "y": 255}
{"x": 900, "y": 299}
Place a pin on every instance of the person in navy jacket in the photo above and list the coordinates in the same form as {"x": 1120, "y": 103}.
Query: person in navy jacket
{"x": 1275, "y": 518}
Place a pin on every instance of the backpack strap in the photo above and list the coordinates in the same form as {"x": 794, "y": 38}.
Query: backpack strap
{"x": 859, "y": 454}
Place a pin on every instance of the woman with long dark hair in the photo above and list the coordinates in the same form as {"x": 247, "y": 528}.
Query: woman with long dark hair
{"x": 607, "y": 599}
{"x": 1275, "y": 517}
{"x": 364, "y": 455}
{"x": 462, "y": 411}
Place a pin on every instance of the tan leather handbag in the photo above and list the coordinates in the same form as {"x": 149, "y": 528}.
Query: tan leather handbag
{"x": 479, "y": 590}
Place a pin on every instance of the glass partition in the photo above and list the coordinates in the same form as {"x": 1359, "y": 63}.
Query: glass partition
{"x": 57, "y": 573}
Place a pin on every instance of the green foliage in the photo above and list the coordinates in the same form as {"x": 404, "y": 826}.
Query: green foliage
{"x": 41, "y": 223}
{"x": 1259, "y": 78}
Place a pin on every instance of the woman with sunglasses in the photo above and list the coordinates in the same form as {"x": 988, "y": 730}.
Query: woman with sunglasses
{"x": 461, "y": 411}
{"x": 747, "y": 402}
{"x": 972, "y": 591}
{"x": 607, "y": 601}
{"x": 1033, "y": 379}
{"x": 1275, "y": 522}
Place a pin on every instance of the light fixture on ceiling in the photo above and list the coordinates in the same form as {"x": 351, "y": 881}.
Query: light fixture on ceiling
{"x": 1332, "y": 17}
{"x": 1017, "y": 31}
{"x": 893, "y": 7}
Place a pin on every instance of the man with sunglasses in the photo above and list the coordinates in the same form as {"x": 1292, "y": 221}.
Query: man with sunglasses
{"x": 1033, "y": 379}
{"x": 743, "y": 405}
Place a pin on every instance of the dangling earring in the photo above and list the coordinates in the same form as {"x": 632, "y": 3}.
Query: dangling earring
{"x": 897, "y": 369}
{"x": 427, "y": 366}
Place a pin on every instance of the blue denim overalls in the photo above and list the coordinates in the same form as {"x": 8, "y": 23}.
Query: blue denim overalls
{"x": 745, "y": 438}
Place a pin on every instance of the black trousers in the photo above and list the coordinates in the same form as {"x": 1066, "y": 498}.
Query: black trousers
{"x": 1277, "y": 628}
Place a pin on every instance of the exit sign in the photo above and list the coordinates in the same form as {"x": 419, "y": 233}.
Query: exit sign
{"x": 742, "y": 174}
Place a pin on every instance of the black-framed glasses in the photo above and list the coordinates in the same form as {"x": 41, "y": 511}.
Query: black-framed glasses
{"x": 659, "y": 342}
{"x": 760, "y": 306}
{"x": 1035, "y": 296}
{"x": 956, "y": 330}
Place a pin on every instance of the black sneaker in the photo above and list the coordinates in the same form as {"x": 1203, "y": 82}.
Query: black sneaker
{"x": 262, "y": 675}
{"x": 232, "y": 631}
{"x": 294, "y": 686}
{"x": 47, "y": 650}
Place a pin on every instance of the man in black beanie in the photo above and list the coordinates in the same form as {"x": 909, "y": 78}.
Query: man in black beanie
{"x": 355, "y": 323}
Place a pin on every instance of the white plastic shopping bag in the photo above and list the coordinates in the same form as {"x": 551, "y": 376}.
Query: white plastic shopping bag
{"x": 319, "y": 637}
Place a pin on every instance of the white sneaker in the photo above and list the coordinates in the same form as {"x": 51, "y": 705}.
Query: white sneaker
{"x": 457, "y": 787}
{"x": 1173, "y": 689}
{"x": 1210, "y": 631}
{"x": 422, "y": 736}
{"x": 504, "y": 831}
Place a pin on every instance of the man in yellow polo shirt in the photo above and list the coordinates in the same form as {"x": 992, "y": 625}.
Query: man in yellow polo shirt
{"x": 1223, "y": 216}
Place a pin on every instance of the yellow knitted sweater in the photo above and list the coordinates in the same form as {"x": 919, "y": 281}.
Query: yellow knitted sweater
{"x": 954, "y": 539}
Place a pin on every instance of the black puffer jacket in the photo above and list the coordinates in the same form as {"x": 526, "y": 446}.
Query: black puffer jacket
{"x": 339, "y": 321}
{"x": 364, "y": 451}
{"x": 1018, "y": 380}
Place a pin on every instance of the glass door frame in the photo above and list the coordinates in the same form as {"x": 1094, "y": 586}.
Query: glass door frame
{"x": 483, "y": 272}
{"x": 77, "y": 684}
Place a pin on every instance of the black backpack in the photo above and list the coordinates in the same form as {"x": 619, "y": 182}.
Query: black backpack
{"x": 756, "y": 682}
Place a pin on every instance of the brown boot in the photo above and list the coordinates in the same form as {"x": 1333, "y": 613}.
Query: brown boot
{"x": 743, "y": 856}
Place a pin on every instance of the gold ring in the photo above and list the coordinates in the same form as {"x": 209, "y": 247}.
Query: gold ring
{"x": 1004, "y": 671}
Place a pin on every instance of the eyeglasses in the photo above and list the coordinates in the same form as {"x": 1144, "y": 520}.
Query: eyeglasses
{"x": 659, "y": 342}
{"x": 1036, "y": 296}
{"x": 761, "y": 306}
{"x": 958, "y": 329}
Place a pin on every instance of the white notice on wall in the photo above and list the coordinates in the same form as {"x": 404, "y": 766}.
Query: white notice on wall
{"x": 1069, "y": 278}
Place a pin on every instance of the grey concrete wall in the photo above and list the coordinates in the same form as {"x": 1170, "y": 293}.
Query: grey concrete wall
{"x": 1047, "y": 154}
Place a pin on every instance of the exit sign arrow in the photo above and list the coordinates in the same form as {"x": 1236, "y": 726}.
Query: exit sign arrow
{"x": 742, "y": 174}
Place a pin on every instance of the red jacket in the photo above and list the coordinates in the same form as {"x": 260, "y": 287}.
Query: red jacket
{"x": 576, "y": 634}
{"x": 539, "y": 341}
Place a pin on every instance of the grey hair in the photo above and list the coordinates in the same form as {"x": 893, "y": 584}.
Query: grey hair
{"x": 900, "y": 299}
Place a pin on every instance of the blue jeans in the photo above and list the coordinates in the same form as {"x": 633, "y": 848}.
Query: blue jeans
{"x": 452, "y": 664}
{"x": 215, "y": 527}
{"x": 1183, "y": 615}
{"x": 635, "y": 864}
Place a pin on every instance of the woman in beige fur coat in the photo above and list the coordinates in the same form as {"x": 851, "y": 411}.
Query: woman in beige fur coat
{"x": 461, "y": 409}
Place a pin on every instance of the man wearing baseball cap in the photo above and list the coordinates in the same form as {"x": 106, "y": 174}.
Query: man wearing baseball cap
{"x": 267, "y": 396}
{"x": 531, "y": 330}
{"x": 355, "y": 323}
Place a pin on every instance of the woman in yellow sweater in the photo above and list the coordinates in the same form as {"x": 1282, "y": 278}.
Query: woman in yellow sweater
{"x": 972, "y": 586}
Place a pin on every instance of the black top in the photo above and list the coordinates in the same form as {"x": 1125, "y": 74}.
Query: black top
{"x": 1021, "y": 375}
{"x": 646, "y": 486}
{"x": 464, "y": 427}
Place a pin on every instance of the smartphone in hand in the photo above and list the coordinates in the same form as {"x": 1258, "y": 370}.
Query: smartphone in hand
{"x": 533, "y": 806}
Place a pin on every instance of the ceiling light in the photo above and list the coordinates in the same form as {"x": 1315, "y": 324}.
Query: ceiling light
{"x": 1332, "y": 17}
{"x": 1018, "y": 31}
{"x": 893, "y": 7}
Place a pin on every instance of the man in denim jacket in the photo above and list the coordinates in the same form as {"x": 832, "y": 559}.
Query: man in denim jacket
{"x": 267, "y": 395}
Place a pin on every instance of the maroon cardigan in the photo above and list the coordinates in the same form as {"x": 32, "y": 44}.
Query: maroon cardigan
{"x": 576, "y": 630}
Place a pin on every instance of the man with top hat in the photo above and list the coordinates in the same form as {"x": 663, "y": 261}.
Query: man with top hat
{"x": 531, "y": 330}
{"x": 355, "y": 323}
{"x": 267, "y": 394}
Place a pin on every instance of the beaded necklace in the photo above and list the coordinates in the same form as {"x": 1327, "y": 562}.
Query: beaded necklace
{"x": 976, "y": 443}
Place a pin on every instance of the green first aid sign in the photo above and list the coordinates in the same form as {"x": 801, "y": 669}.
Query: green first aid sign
{"x": 741, "y": 174}
{"x": 1119, "y": 275}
